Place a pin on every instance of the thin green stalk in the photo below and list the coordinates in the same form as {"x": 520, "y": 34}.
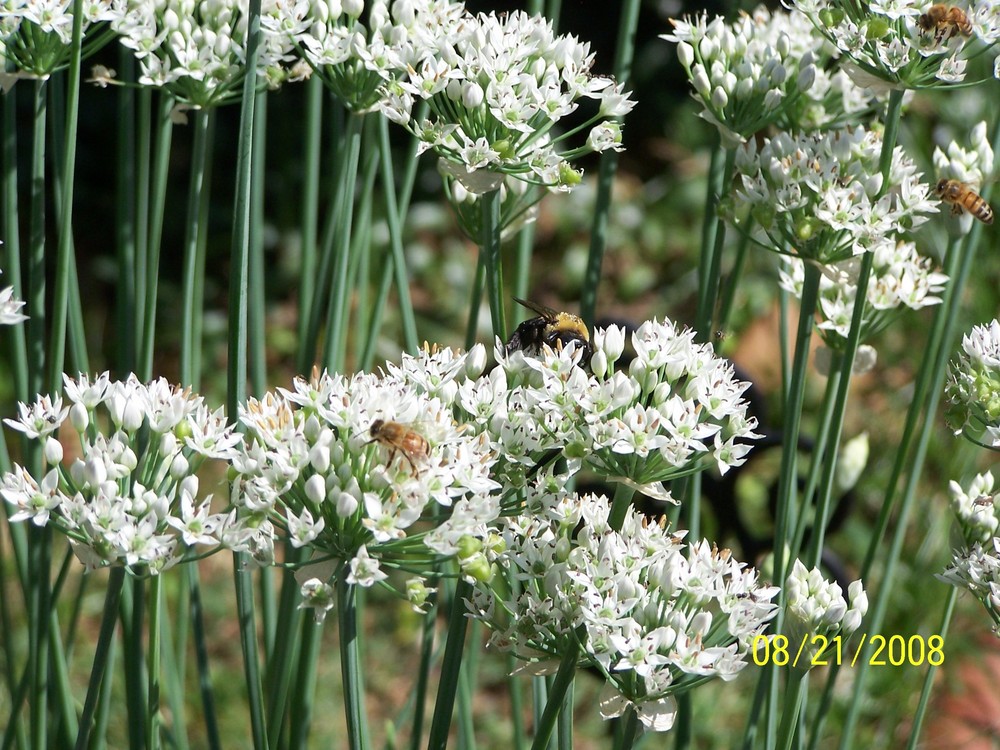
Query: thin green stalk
{"x": 522, "y": 265}
{"x": 143, "y": 200}
{"x": 711, "y": 264}
{"x": 153, "y": 717}
{"x": 256, "y": 322}
{"x": 192, "y": 306}
{"x": 153, "y": 241}
{"x": 795, "y": 692}
{"x": 555, "y": 703}
{"x": 350, "y": 664}
{"x": 564, "y": 726}
{"x": 628, "y": 22}
{"x": 733, "y": 283}
{"x": 40, "y": 556}
{"x": 629, "y": 731}
{"x": 475, "y": 302}
{"x": 410, "y": 341}
{"x": 360, "y": 250}
{"x": 451, "y": 665}
{"x": 237, "y": 364}
{"x": 102, "y": 654}
{"x": 103, "y": 715}
{"x": 132, "y": 613}
{"x": 337, "y": 320}
{"x": 423, "y": 677}
{"x": 925, "y": 692}
{"x": 15, "y": 727}
{"x": 490, "y": 252}
{"x": 201, "y": 659}
{"x": 66, "y": 725}
{"x": 310, "y": 213}
{"x": 466, "y": 726}
{"x": 36, "y": 262}
{"x": 305, "y": 684}
{"x": 172, "y": 661}
{"x": 125, "y": 229}
{"x": 60, "y": 302}
{"x": 281, "y": 665}
{"x": 682, "y": 729}
{"x": 619, "y": 505}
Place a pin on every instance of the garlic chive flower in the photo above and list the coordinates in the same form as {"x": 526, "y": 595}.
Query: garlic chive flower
{"x": 973, "y": 388}
{"x": 654, "y": 615}
{"x": 518, "y": 199}
{"x": 977, "y": 508}
{"x": 977, "y": 569}
{"x": 497, "y": 87}
{"x": 372, "y": 471}
{"x": 817, "y": 607}
{"x": 35, "y": 37}
{"x": 821, "y": 197}
{"x": 196, "y": 49}
{"x": 674, "y": 410}
{"x": 759, "y": 70}
{"x": 128, "y": 492}
{"x": 900, "y": 278}
{"x": 887, "y": 44}
{"x": 10, "y": 307}
{"x": 972, "y": 166}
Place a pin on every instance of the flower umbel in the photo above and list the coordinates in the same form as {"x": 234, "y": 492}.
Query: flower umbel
{"x": 128, "y": 498}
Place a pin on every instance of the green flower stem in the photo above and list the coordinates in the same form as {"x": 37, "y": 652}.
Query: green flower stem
{"x": 522, "y": 265}
{"x": 38, "y": 596}
{"x": 310, "y": 215}
{"x": 337, "y": 321}
{"x": 629, "y": 731}
{"x": 711, "y": 258}
{"x": 819, "y": 466}
{"x": 732, "y": 284}
{"x": 475, "y": 300}
{"x": 141, "y": 205}
{"x": 281, "y": 665}
{"x": 194, "y": 259}
{"x": 153, "y": 673}
{"x": 788, "y": 478}
{"x": 132, "y": 613}
{"x": 104, "y": 702}
{"x": 237, "y": 363}
{"x": 410, "y": 341}
{"x": 795, "y": 693}
{"x": 172, "y": 660}
{"x": 683, "y": 729}
{"x": 256, "y": 319}
{"x": 305, "y": 684}
{"x": 423, "y": 677}
{"x": 539, "y": 697}
{"x": 925, "y": 692}
{"x": 150, "y": 262}
{"x": 490, "y": 252}
{"x": 102, "y": 654}
{"x": 126, "y": 319}
{"x": 564, "y": 727}
{"x": 15, "y": 335}
{"x": 60, "y": 301}
{"x": 350, "y": 663}
{"x": 555, "y": 704}
{"x": 466, "y": 682}
{"x": 619, "y": 505}
{"x": 516, "y": 702}
{"x": 621, "y": 70}
{"x": 451, "y": 665}
{"x": 201, "y": 659}
{"x": 36, "y": 261}
{"x": 15, "y": 727}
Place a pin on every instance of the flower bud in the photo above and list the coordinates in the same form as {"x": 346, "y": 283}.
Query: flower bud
{"x": 315, "y": 488}
{"x": 79, "y": 417}
{"x": 179, "y": 467}
{"x": 475, "y": 362}
{"x": 53, "y": 450}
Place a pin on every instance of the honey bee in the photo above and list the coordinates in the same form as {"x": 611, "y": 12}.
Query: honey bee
{"x": 961, "y": 196}
{"x": 551, "y": 328}
{"x": 945, "y": 21}
{"x": 399, "y": 438}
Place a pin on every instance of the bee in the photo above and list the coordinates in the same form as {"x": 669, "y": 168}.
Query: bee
{"x": 399, "y": 438}
{"x": 552, "y": 328}
{"x": 945, "y": 21}
{"x": 961, "y": 196}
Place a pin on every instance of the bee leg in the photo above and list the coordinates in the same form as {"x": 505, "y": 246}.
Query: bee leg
{"x": 956, "y": 210}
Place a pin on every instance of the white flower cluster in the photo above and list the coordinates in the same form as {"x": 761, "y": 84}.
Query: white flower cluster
{"x": 972, "y": 166}
{"x": 654, "y": 615}
{"x": 977, "y": 508}
{"x": 196, "y": 49}
{"x": 369, "y": 469}
{"x": 973, "y": 388}
{"x": 900, "y": 278}
{"x": 764, "y": 68}
{"x": 358, "y": 53}
{"x": 977, "y": 568}
{"x": 497, "y": 86}
{"x": 815, "y": 606}
{"x": 895, "y": 42}
{"x": 10, "y": 307}
{"x": 129, "y": 497}
{"x": 35, "y": 35}
{"x": 821, "y": 196}
{"x": 677, "y": 409}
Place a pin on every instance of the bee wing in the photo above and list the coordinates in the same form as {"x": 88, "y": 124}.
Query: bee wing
{"x": 546, "y": 312}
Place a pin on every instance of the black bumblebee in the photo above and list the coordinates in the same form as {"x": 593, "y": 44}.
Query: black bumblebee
{"x": 552, "y": 328}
